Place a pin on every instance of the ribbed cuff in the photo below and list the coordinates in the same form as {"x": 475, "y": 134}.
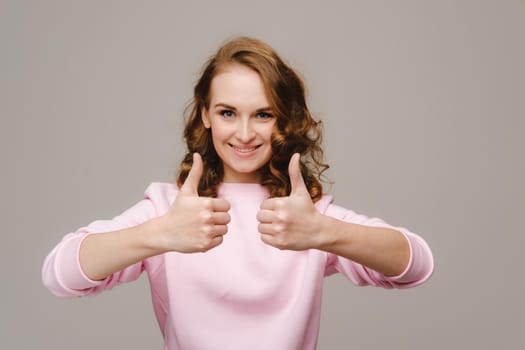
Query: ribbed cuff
{"x": 72, "y": 274}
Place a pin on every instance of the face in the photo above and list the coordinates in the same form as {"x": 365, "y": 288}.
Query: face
{"x": 241, "y": 122}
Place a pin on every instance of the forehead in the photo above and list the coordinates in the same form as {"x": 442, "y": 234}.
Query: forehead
{"x": 239, "y": 86}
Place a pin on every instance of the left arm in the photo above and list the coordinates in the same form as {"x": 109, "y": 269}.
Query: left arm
{"x": 383, "y": 249}
{"x": 294, "y": 223}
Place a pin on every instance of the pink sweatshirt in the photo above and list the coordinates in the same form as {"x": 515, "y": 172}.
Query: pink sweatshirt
{"x": 242, "y": 294}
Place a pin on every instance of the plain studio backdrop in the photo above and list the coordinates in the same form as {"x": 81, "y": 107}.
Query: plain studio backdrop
{"x": 423, "y": 108}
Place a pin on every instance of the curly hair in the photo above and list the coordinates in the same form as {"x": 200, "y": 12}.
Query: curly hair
{"x": 295, "y": 131}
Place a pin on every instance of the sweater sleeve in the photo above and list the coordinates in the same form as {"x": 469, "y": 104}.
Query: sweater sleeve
{"x": 419, "y": 269}
{"x": 61, "y": 271}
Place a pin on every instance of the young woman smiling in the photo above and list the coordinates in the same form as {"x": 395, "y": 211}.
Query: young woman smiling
{"x": 237, "y": 250}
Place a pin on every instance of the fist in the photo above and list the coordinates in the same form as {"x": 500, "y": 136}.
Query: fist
{"x": 291, "y": 222}
{"x": 193, "y": 223}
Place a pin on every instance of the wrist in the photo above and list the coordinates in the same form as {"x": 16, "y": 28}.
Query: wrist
{"x": 334, "y": 234}
{"x": 151, "y": 237}
{"x": 326, "y": 237}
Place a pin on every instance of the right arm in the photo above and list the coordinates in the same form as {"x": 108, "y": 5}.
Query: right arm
{"x": 103, "y": 254}
{"x": 191, "y": 224}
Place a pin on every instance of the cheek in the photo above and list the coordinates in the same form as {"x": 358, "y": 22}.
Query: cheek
{"x": 219, "y": 133}
{"x": 268, "y": 131}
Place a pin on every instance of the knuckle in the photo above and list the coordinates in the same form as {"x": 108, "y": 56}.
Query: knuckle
{"x": 201, "y": 247}
{"x": 204, "y": 245}
{"x": 207, "y": 203}
{"x": 208, "y": 231}
{"x": 205, "y": 216}
{"x": 283, "y": 216}
{"x": 280, "y": 229}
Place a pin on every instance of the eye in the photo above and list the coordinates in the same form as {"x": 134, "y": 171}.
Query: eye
{"x": 226, "y": 113}
{"x": 264, "y": 115}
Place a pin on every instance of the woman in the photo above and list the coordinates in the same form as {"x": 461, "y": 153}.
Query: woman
{"x": 236, "y": 253}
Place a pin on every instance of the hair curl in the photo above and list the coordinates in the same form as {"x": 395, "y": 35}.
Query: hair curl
{"x": 295, "y": 130}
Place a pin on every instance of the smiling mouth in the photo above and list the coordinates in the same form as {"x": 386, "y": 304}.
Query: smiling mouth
{"x": 244, "y": 149}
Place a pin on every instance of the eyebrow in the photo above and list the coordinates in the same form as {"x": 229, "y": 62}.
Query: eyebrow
{"x": 225, "y": 105}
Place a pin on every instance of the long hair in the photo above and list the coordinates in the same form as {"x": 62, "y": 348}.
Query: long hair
{"x": 295, "y": 130}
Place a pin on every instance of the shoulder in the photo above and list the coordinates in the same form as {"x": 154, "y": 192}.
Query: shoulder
{"x": 326, "y": 206}
{"x": 161, "y": 189}
{"x": 161, "y": 194}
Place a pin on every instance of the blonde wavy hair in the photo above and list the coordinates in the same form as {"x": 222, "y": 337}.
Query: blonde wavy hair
{"x": 295, "y": 129}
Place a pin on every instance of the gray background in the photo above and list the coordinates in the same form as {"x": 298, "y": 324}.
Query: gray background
{"x": 423, "y": 104}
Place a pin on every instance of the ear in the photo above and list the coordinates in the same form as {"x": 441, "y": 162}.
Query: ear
{"x": 205, "y": 118}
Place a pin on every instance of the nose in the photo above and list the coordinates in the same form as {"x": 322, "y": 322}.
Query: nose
{"x": 245, "y": 130}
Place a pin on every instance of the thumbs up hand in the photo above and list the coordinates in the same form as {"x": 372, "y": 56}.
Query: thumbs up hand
{"x": 193, "y": 223}
{"x": 291, "y": 222}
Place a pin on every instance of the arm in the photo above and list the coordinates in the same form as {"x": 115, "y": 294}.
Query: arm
{"x": 291, "y": 223}
{"x": 103, "y": 254}
{"x": 420, "y": 263}
{"x": 62, "y": 272}
{"x": 382, "y": 249}
{"x": 190, "y": 224}
{"x": 294, "y": 223}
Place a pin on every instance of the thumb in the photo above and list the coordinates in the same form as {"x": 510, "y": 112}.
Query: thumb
{"x": 191, "y": 184}
{"x": 296, "y": 178}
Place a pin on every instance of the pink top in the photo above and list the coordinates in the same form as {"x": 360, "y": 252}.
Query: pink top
{"x": 242, "y": 294}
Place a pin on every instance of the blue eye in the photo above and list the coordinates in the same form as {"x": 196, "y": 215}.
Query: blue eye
{"x": 264, "y": 115}
{"x": 227, "y": 113}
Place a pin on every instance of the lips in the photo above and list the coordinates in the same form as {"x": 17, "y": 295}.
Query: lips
{"x": 244, "y": 150}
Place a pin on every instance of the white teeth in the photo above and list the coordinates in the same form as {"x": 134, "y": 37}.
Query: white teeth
{"x": 245, "y": 150}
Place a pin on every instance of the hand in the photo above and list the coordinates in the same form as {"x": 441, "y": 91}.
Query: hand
{"x": 291, "y": 222}
{"x": 193, "y": 223}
